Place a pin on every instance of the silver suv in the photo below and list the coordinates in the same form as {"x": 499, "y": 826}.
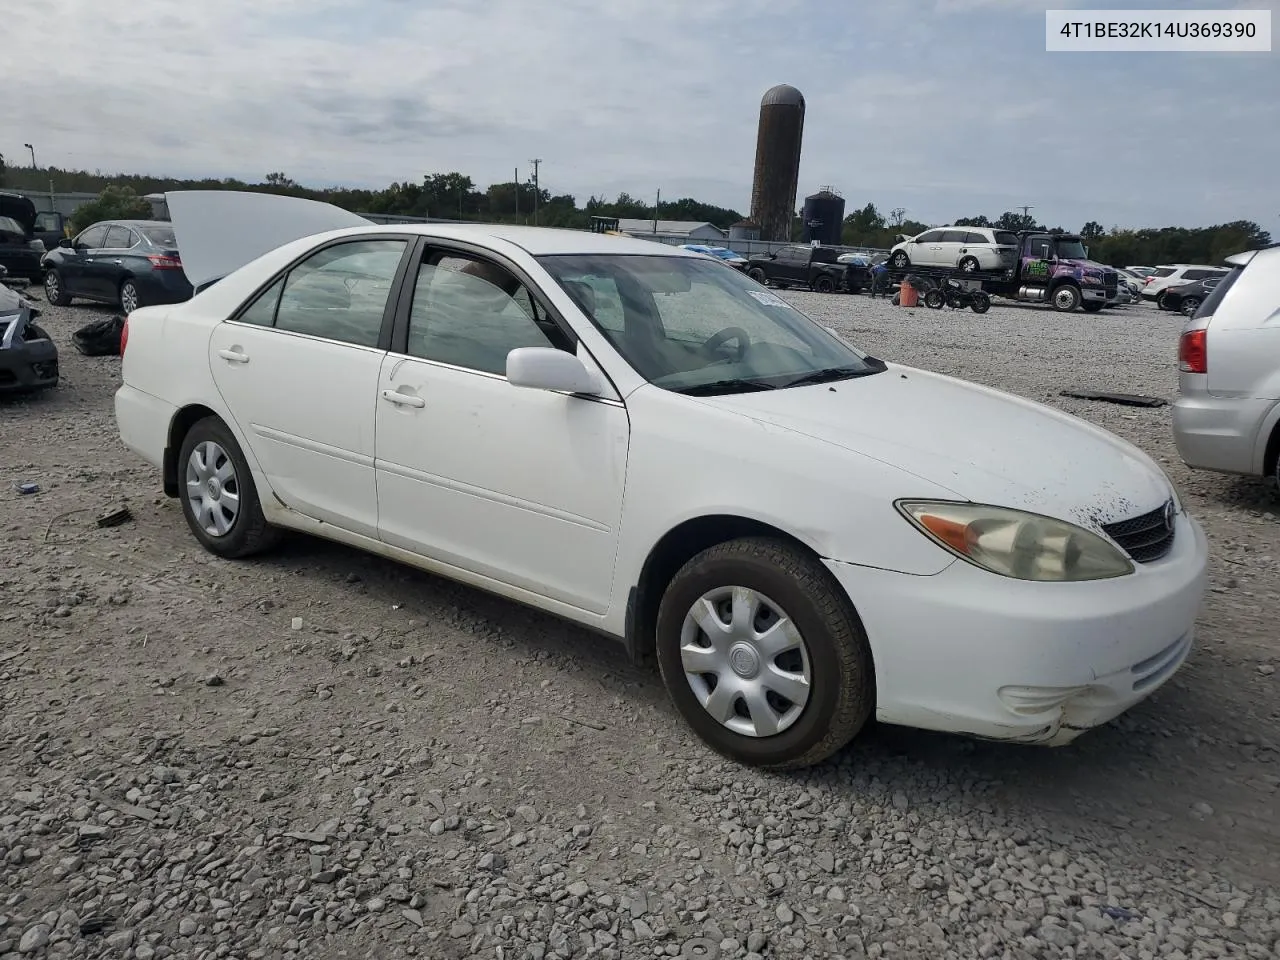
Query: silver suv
{"x": 1227, "y": 415}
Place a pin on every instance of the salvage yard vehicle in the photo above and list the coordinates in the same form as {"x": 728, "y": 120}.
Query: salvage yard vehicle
{"x": 1173, "y": 274}
{"x": 813, "y": 268}
{"x": 20, "y": 248}
{"x": 735, "y": 260}
{"x": 127, "y": 263}
{"x": 805, "y": 536}
{"x": 28, "y": 355}
{"x": 965, "y": 248}
{"x": 1227, "y": 414}
{"x": 1185, "y": 298}
{"x": 1047, "y": 268}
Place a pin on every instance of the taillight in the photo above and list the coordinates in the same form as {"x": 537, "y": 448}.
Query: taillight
{"x": 1148, "y": 280}
{"x": 161, "y": 262}
{"x": 1193, "y": 353}
{"x": 124, "y": 335}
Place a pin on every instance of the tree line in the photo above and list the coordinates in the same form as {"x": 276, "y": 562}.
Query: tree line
{"x": 1118, "y": 246}
{"x": 455, "y": 196}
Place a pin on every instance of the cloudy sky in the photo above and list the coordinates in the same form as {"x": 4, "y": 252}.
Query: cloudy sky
{"x": 953, "y": 111}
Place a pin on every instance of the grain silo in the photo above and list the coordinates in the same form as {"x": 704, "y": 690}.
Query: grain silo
{"x": 823, "y": 217}
{"x": 777, "y": 173}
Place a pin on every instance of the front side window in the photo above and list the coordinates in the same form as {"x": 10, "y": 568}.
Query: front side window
{"x": 471, "y": 313}
{"x": 93, "y": 237}
{"x": 933, "y": 236}
{"x": 340, "y": 293}
{"x": 691, "y": 326}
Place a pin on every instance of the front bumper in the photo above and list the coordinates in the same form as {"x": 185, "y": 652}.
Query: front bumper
{"x": 32, "y": 365}
{"x": 969, "y": 652}
{"x": 1222, "y": 434}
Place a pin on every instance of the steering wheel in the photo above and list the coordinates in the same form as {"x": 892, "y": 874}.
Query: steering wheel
{"x": 717, "y": 340}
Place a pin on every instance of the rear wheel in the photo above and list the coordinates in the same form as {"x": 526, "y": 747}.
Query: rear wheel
{"x": 53, "y": 289}
{"x": 968, "y": 264}
{"x": 1066, "y": 298}
{"x": 824, "y": 285}
{"x": 981, "y": 302}
{"x": 1093, "y": 306}
{"x": 763, "y": 655}
{"x": 129, "y": 298}
{"x": 758, "y": 275}
{"x": 219, "y": 498}
{"x": 1189, "y": 306}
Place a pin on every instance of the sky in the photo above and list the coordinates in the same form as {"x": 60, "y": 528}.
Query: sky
{"x": 952, "y": 110}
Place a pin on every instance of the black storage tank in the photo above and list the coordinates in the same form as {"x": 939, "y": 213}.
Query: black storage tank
{"x": 823, "y": 217}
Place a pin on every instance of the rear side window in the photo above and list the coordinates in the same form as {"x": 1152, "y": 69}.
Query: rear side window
{"x": 975, "y": 238}
{"x": 1163, "y": 272}
{"x": 1006, "y": 239}
{"x": 1197, "y": 274}
{"x": 1210, "y": 303}
{"x": 954, "y": 236}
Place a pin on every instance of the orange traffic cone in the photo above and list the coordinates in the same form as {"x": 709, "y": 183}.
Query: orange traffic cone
{"x": 908, "y": 296}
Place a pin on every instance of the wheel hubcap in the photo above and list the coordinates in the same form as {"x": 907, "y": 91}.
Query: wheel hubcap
{"x": 129, "y": 298}
{"x": 213, "y": 490}
{"x": 51, "y": 285}
{"x": 1065, "y": 298}
{"x": 745, "y": 661}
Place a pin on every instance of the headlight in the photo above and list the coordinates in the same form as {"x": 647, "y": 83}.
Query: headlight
{"x": 1011, "y": 543}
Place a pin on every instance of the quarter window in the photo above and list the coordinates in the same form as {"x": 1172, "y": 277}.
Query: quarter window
{"x": 262, "y": 312}
{"x": 471, "y": 313}
{"x": 976, "y": 239}
{"x": 341, "y": 292}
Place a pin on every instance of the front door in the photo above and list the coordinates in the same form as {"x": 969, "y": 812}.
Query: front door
{"x": 71, "y": 265}
{"x": 105, "y": 268}
{"x": 522, "y": 486}
{"x": 298, "y": 369}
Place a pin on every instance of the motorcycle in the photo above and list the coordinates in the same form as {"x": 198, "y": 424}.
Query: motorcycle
{"x": 957, "y": 296}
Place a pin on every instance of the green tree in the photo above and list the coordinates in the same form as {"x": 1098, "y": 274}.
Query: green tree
{"x": 1015, "y": 221}
{"x": 113, "y": 203}
{"x": 978, "y": 221}
{"x": 1092, "y": 231}
{"x": 2, "y": 177}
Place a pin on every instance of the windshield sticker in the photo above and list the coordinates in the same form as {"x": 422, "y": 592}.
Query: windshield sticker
{"x": 769, "y": 299}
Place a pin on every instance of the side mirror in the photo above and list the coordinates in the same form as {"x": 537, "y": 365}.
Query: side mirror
{"x": 65, "y": 242}
{"x": 546, "y": 368}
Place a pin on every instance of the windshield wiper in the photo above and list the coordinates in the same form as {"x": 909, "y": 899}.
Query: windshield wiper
{"x": 828, "y": 374}
{"x": 718, "y": 387}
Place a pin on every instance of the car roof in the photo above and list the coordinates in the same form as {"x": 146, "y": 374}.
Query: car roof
{"x": 538, "y": 241}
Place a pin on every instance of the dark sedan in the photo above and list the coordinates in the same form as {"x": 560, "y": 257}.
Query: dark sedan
{"x": 1186, "y": 298}
{"x": 128, "y": 263}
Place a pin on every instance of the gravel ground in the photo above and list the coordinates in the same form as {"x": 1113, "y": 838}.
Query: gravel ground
{"x": 423, "y": 770}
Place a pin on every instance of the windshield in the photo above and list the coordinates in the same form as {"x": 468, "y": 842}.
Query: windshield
{"x": 161, "y": 236}
{"x": 1070, "y": 250}
{"x": 691, "y": 326}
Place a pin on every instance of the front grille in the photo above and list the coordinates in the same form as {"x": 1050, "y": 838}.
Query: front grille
{"x": 1145, "y": 538}
{"x": 1110, "y": 282}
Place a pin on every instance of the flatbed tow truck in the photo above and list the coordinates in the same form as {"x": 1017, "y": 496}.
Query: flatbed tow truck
{"x": 1048, "y": 268}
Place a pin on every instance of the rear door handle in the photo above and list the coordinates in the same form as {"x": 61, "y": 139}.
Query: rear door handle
{"x": 117, "y": 261}
{"x": 403, "y": 399}
{"x": 235, "y": 356}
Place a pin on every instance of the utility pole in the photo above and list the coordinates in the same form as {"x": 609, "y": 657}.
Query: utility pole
{"x": 656, "y": 204}
{"x": 535, "y": 161}
{"x": 33, "y": 155}
{"x": 1026, "y": 208}
{"x": 515, "y": 182}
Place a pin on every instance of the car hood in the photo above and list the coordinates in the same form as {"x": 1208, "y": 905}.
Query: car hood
{"x": 219, "y": 231}
{"x": 20, "y": 208}
{"x": 983, "y": 445}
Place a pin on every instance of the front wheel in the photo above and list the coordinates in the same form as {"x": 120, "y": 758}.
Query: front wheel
{"x": 981, "y": 302}
{"x": 935, "y": 300}
{"x": 1189, "y": 306}
{"x": 899, "y": 260}
{"x": 1093, "y": 306}
{"x": 763, "y": 655}
{"x": 758, "y": 275}
{"x": 54, "y": 291}
{"x": 1066, "y": 298}
{"x": 219, "y": 498}
{"x": 824, "y": 285}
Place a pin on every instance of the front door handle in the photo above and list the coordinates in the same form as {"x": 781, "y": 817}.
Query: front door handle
{"x": 235, "y": 356}
{"x": 403, "y": 399}
{"x": 117, "y": 261}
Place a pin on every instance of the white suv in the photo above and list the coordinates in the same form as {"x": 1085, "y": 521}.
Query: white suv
{"x": 1171, "y": 274}
{"x": 969, "y": 248}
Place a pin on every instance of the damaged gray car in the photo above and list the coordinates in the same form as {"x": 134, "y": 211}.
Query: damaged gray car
{"x": 28, "y": 355}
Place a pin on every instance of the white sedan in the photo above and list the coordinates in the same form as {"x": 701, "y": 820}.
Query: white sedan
{"x": 638, "y": 440}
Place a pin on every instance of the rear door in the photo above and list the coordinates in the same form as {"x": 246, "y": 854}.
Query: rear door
{"x": 71, "y": 262}
{"x": 107, "y": 268}
{"x": 952, "y": 246}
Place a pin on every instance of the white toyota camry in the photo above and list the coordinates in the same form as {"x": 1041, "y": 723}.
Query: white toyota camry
{"x": 635, "y": 438}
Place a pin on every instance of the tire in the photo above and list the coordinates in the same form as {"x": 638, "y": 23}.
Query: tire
{"x": 247, "y": 532}
{"x": 130, "y": 300}
{"x": 1093, "y": 306}
{"x": 1065, "y": 298}
{"x": 899, "y": 260}
{"x": 840, "y": 693}
{"x": 969, "y": 264}
{"x": 1160, "y": 302}
{"x": 824, "y": 285}
{"x": 981, "y": 302}
{"x": 758, "y": 275}
{"x": 934, "y": 299}
{"x": 1189, "y": 306}
{"x": 54, "y": 292}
